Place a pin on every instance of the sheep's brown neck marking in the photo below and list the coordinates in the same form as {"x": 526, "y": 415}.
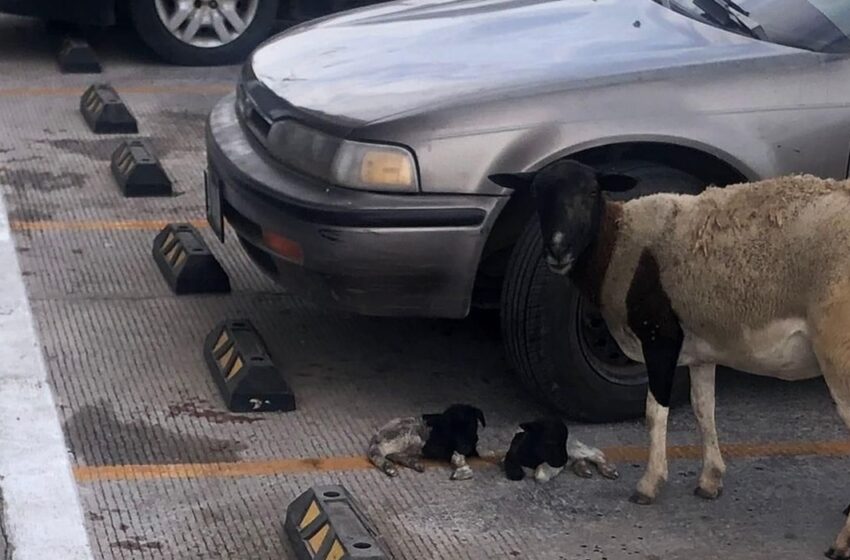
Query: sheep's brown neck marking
{"x": 652, "y": 319}
{"x": 589, "y": 271}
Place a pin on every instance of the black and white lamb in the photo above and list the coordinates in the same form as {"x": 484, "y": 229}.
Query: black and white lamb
{"x": 544, "y": 447}
{"x": 754, "y": 276}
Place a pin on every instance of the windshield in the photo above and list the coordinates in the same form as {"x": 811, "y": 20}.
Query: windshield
{"x": 817, "y": 25}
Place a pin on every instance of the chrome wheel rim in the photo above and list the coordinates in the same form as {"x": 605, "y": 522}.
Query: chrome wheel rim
{"x": 206, "y": 23}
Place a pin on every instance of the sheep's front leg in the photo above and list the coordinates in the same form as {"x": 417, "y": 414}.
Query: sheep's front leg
{"x": 462, "y": 471}
{"x": 656, "y": 471}
{"x": 654, "y": 322}
{"x": 702, "y": 401}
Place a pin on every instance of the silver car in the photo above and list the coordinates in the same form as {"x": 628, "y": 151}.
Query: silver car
{"x": 353, "y": 160}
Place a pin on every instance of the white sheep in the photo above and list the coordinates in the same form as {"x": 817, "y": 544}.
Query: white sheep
{"x": 754, "y": 276}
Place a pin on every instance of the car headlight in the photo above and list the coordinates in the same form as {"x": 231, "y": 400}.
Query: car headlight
{"x": 346, "y": 163}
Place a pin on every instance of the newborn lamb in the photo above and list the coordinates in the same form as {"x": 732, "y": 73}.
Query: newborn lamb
{"x": 450, "y": 436}
{"x": 545, "y": 447}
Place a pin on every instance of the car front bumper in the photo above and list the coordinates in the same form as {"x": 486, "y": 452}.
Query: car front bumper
{"x": 370, "y": 253}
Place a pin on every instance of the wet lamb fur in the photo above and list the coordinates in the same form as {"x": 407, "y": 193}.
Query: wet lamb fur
{"x": 450, "y": 436}
{"x": 755, "y": 276}
{"x": 546, "y": 447}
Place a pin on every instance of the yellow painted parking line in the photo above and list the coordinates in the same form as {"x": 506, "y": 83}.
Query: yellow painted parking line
{"x": 87, "y": 225}
{"x": 328, "y": 464}
{"x": 200, "y": 89}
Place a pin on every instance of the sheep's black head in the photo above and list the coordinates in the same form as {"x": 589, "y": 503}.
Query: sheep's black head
{"x": 548, "y": 440}
{"x": 568, "y": 198}
{"x": 455, "y": 429}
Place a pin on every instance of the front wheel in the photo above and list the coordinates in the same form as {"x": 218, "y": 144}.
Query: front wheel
{"x": 203, "y": 32}
{"x": 558, "y": 343}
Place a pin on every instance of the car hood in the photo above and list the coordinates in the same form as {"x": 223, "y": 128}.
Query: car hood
{"x": 407, "y": 56}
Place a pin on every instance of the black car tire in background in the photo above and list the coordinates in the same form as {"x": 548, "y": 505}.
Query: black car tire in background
{"x": 558, "y": 344}
{"x": 219, "y": 39}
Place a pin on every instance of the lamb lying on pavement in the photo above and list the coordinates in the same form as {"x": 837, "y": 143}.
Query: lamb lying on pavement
{"x": 545, "y": 447}
{"x": 450, "y": 436}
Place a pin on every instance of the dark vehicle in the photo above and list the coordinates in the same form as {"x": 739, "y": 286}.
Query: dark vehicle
{"x": 189, "y": 32}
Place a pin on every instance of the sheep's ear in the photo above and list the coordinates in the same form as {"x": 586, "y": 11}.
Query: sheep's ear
{"x": 432, "y": 420}
{"x": 615, "y": 182}
{"x": 514, "y": 181}
{"x": 480, "y": 415}
{"x": 530, "y": 426}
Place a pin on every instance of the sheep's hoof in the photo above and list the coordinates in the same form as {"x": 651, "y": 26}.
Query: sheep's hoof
{"x": 391, "y": 471}
{"x": 582, "y": 469}
{"x": 641, "y": 499}
{"x": 708, "y": 494}
{"x": 835, "y": 555}
{"x": 463, "y": 473}
{"x": 608, "y": 471}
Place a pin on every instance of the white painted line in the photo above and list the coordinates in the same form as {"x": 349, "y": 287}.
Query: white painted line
{"x": 42, "y": 515}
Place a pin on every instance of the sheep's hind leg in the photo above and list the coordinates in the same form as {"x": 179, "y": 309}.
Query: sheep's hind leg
{"x": 702, "y": 400}
{"x": 839, "y": 386}
{"x": 831, "y": 341}
{"x": 584, "y": 455}
{"x": 406, "y": 460}
{"x": 382, "y": 463}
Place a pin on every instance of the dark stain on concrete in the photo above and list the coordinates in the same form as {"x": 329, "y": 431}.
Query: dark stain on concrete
{"x": 201, "y": 409}
{"x": 137, "y": 543}
{"x": 32, "y": 214}
{"x": 99, "y": 437}
{"x": 44, "y": 181}
{"x": 102, "y": 149}
{"x": 188, "y": 118}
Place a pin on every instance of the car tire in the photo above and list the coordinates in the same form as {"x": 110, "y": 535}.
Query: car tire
{"x": 558, "y": 344}
{"x": 207, "y": 48}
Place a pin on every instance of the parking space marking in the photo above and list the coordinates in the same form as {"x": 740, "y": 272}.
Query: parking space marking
{"x": 194, "y": 89}
{"x": 353, "y": 463}
{"x": 88, "y": 225}
{"x": 42, "y": 515}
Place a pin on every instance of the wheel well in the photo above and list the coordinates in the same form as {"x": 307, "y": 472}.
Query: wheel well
{"x": 516, "y": 213}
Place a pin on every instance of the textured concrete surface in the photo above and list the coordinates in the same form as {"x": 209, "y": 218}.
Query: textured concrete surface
{"x": 194, "y": 481}
{"x": 36, "y": 480}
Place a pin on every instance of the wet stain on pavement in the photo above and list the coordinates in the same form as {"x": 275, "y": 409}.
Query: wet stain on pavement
{"x": 102, "y": 149}
{"x": 98, "y": 437}
{"x": 188, "y": 118}
{"x": 44, "y": 181}
{"x": 32, "y": 214}
{"x": 137, "y": 543}
{"x": 201, "y": 409}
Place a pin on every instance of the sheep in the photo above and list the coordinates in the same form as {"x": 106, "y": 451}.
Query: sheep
{"x": 754, "y": 276}
{"x": 545, "y": 447}
{"x": 450, "y": 436}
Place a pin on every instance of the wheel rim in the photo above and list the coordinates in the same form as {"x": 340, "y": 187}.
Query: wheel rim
{"x": 602, "y": 351}
{"x": 206, "y": 23}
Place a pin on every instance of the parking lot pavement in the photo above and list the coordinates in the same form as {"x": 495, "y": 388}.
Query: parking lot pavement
{"x": 164, "y": 471}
